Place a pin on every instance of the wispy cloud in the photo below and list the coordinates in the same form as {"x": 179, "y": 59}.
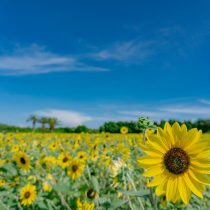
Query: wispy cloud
{"x": 178, "y": 110}
{"x": 37, "y": 60}
{"x": 128, "y": 51}
{"x": 204, "y": 101}
{"x": 66, "y": 117}
{"x": 192, "y": 110}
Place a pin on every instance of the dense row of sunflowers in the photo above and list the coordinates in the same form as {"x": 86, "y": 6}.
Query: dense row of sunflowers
{"x": 106, "y": 171}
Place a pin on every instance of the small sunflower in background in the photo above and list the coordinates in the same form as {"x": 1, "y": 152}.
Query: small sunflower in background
{"x": 2, "y": 183}
{"x": 179, "y": 162}
{"x": 85, "y": 205}
{"x": 82, "y": 155}
{"x": 107, "y": 135}
{"x": 64, "y": 160}
{"x": 28, "y": 195}
{"x": 46, "y": 186}
{"x": 75, "y": 168}
{"x": 124, "y": 130}
{"x": 53, "y": 146}
{"x": 15, "y": 148}
{"x": 22, "y": 160}
{"x": 92, "y": 194}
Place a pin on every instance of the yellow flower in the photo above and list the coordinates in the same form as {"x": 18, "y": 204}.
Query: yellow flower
{"x": 178, "y": 161}
{"x": 64, "y": 160}
{"x": 50, "y": 161}
{"x": 53, "y": 146}
{"x": 85, "y": 205}
{"x": 115, "y": 167}
{"x": 2, "y": 162}
{"x": 76, "y": 168}
{"x": 46, "y": 187}
{"x": 124, "y": 130}
{"x": 28, "y": 195}
{"x": 82, "y": 155}
{"x": 15, "y": 148}
{"x": 94, "y": 156}
{"x": 32, "y": 179}
{"x": 2, "y": 182}
{"x": 22, "y": 160}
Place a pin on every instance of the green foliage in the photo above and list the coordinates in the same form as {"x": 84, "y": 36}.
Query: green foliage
{"x": 111, "y": 127}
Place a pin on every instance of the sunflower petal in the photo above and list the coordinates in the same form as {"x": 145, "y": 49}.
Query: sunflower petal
{"x": 183, "y": 190}
{"x": 148, "y": 161}
{"x": 161, "y": 188}
{"x": 154, "y": 170}
{"x": 156, "y": 181}
{"x": 201, "y": 178}
{"x": 171, "y": 188}
{"x": 193, "y": 185}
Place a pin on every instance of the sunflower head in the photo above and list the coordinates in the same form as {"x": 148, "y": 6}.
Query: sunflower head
{"x": 22, "y": 160}
{"x": 124, "y": 130}
{"x": 91, "y": 194}
{"x": 28, "y": 195}
{"x": 64, "y": 160}
{"x": 85, "y": 205}
{"x": 178, "y": 160}
{"x": 75, "y": 168}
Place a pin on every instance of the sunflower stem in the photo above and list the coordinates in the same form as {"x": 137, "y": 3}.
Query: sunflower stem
{"x": 152, "y": 196}
{"x": 18, "y": 203}
{"x": 63, "y": 201}
{"x": 134, "y": 187}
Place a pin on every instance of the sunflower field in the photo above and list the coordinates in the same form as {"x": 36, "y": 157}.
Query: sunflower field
{"x": 158, "y": 169}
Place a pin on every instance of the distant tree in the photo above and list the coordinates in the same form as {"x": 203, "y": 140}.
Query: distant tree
{"x": 43, "y": 121}
{"x": 52, "y": 122}
{"x": 204, "y": 125}
{"x": 34, "y": 120}
{"x": 81, "y": 128}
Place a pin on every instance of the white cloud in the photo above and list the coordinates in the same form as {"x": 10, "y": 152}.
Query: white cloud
{"x": 132, "y": 51}
{"x": 179, "y": 111}
{"x": 37, "y": 60}
{"x": 204, "y": 101}
{"x": 67, "y": 117}
{"x": 141, "y": 113}
{"x": 192, "y": 110}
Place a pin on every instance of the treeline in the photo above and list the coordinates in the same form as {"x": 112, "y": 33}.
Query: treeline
{"x": 111, "y": 127}
{"x": 114, "y": 127}
{"x": 77, "y": 129}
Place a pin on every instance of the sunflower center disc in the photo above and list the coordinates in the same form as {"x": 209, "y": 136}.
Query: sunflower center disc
{"x": 91, "y": 193}
{"x": 74, "y": 168}
{"x": 27, "y": 195}
{"x": 65, "y": 160}
{"x": 176, "y": 160}
{"x": 22, "y": 160}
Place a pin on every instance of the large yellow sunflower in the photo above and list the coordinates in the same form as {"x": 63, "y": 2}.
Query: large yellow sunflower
{"x": 22, "y": 160}
{"x": 28, "y": 195}
{"x": 178, "y": 161}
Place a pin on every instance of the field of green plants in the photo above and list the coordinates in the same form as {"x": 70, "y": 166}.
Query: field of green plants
{"x": 158, "y": 169}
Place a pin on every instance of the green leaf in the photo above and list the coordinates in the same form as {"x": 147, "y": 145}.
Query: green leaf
{"x": 42, "y": 204}
{"x": 95, "y": 184}
{"x": 117, "y": 203}
{"x": 61, "y": 187}
{"x": 136, "y": 193}
{"x": 10, "y": 169}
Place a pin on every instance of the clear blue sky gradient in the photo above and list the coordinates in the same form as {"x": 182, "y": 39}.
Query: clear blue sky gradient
{"x": 101, "y": 60}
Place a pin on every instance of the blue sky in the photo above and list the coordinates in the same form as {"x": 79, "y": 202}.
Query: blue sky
{"x": 87, "y": 62}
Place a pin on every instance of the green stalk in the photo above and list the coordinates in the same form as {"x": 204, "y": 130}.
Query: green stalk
{"x": 152, "y": 196}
